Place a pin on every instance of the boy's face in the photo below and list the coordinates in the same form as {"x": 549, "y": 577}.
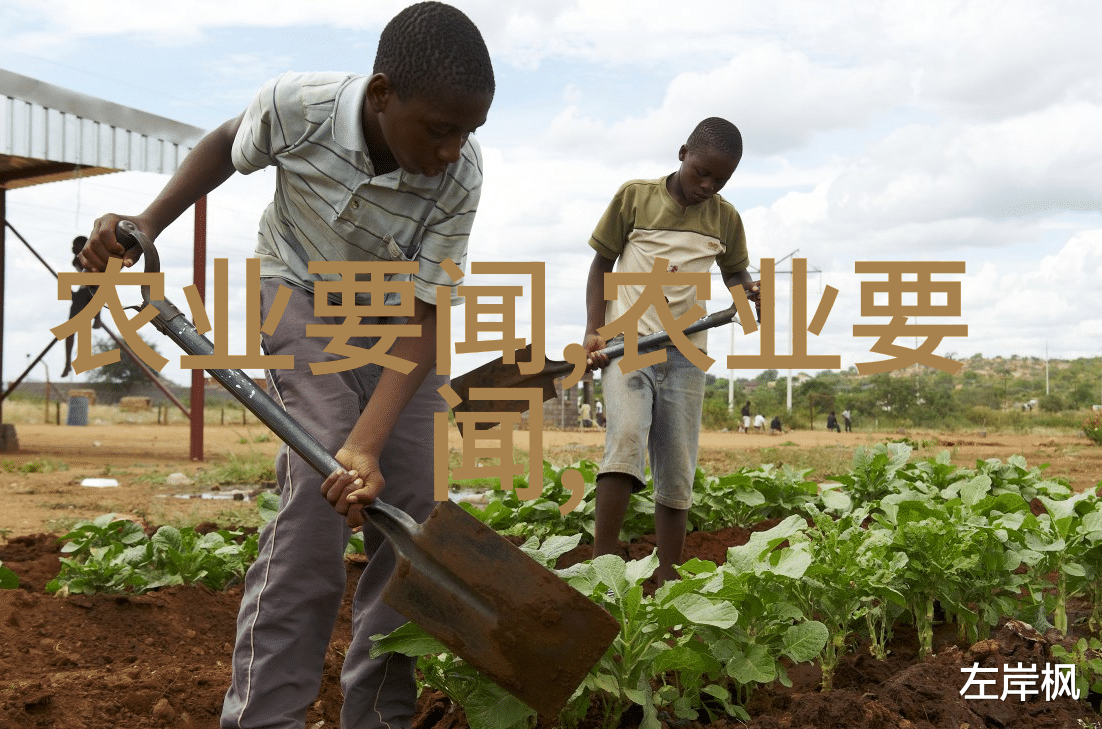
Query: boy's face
{"x": 425, "y": 133}
{"x": 703, "y": 173}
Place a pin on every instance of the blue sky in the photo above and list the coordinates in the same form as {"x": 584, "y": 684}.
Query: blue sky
{"x": 962, "y": 131}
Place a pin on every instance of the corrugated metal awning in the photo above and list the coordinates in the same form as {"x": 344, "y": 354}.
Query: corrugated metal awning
{"x": 49, "y": 133}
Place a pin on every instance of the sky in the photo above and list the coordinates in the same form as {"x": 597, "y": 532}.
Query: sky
{"x": 886, "y": 131}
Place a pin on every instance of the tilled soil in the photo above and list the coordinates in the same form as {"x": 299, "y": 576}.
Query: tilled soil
{"x": 162, "y": 660}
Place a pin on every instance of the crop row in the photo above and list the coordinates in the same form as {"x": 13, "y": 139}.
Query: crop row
{"x": 884, "y": 543}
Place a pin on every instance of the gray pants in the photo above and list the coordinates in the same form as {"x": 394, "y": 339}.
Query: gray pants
{"x": 293, "y": 591}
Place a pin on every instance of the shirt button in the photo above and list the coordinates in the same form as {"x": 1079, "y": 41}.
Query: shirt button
{"x": 355, "y": 204}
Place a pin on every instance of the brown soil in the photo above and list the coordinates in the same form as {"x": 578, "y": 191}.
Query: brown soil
{"x": 162, "y": 659}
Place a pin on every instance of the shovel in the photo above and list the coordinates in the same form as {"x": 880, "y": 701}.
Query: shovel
{"x": 498, "y": 609}
{"x": 498, "y": 373}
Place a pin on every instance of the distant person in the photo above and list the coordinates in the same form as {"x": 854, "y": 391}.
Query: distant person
{"x": 832, "y": 422}
{"x": 775, "y": 425}
{"x": 599, "y": 410}
{"x": 745, "y": 427}
{"x": 759, "y": 423}
{"x": 584, "y": 414}
{"x": 845, "y": 418}
{"x": 81, "y": 298}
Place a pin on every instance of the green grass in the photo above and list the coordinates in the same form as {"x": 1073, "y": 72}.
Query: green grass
{"x": 41, "y": 465}
{"x": 251, "y": 468}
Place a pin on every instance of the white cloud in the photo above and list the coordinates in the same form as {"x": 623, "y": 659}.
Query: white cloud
{"x": 988, "y": 60}
{"x": 940, "y": 131}
{"x": 778, "y": 98}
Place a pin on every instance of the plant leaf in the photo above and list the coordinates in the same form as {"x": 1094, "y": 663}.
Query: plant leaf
{"x": 805, "y": 641}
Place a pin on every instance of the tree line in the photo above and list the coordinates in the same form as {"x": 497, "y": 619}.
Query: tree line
{"x": 1001, "y": 392}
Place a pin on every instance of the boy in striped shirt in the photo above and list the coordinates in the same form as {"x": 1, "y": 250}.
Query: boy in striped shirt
{"x": 376, "y": 167}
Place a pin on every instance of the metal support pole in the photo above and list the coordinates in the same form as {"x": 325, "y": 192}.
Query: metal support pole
{"x": 198, "y": 376}
{"x": 3, "y": 258}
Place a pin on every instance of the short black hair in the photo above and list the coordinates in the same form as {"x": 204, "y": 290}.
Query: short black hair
{"x": 430, "y": 46}
{"x": 718, "y": 134}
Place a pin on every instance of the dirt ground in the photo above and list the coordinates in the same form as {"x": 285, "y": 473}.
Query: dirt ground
{"x": 162, "y": 659}
{"x": 41, "y": 491}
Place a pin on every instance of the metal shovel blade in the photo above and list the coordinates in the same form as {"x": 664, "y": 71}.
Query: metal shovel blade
{"x": 501, "y": 611}
{"x": 499, "y": 374}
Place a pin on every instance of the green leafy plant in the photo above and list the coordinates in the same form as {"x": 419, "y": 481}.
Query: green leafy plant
{"x": 110, "y": 555}
{"x": 1015, "y": 476}
{"x": 486, "y": 705}
{"x": 936, "y": 535}
{"x": 853, "y": 574}
{"x": 657, "y": 637}
{"x": 677, "y": 649}
{"x": 540, "y": 517}
{"x": 776, "y": 598}
{"x": 1092, "y": 427}
{"x": 267, "y": 505}
{"x": 8, "y": 579}
{"x": 873, "y": 474}
{"x": 937, "y": 560}
{"x": 1086, "y": 656}
{"x": 1090, "y": 560}
{"x": 1065, "y": 540}
{"x": 750, "y": 495}
{"x": 185, "y": 557}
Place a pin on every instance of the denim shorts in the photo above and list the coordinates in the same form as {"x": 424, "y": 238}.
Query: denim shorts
{"x": 657, "y": 408}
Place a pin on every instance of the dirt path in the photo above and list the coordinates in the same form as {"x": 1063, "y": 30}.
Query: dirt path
{"x": 41, "y": 491}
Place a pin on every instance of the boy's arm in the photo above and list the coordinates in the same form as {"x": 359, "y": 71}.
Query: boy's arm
{"x": 207, "y": 166}
{"x": 595, "y": 311}
{"x": 363, "y": 481}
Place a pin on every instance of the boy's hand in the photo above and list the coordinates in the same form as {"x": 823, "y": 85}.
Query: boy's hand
{"x": 360, "y": 483}
{"x": 103, "y": 245}
{"x": 594, "y": 359}
{"x": 753, "y": 291}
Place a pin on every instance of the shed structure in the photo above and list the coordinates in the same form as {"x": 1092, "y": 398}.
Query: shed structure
{"x": 49, "y": 133}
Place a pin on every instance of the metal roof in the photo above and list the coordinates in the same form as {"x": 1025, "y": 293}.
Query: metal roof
{"x": 49, "y": 133}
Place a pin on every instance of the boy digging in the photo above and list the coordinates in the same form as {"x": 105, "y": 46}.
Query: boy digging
{"x": 681, "y": 218}
{"x": 370, "y": 168}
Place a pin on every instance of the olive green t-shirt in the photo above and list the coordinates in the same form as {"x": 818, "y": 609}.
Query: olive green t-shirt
{"x": 643, "y": 222}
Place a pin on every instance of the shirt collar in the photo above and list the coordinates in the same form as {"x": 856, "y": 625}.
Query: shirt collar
{"x": 348, "y": 115}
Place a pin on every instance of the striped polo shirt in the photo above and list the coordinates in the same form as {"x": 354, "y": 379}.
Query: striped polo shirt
{"x": 329, "y": 205}
{"x": 644, "y": 222}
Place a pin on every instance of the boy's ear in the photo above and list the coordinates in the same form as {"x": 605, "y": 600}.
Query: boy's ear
{"x": 682, "y": 152}
{"x": 379, "y": 92}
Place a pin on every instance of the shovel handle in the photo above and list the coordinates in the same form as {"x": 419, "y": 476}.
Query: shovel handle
{"x": 171, "y": 322}
{"x": 658, "y": 339}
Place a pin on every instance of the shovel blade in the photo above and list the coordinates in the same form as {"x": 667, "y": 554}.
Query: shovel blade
{"x": 499, "y": 374}
{"x": 495, "y": 607}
